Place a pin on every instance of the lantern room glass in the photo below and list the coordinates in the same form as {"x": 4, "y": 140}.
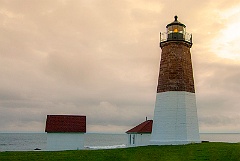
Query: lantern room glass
{"x": 176, "y": 32}
{"x": 176, "y": 29}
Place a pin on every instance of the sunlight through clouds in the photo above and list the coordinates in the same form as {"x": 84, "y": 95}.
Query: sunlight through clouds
{"x": 226, "y": 44}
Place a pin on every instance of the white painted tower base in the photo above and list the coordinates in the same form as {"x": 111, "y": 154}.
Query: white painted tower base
{"x": 175, "y": 119}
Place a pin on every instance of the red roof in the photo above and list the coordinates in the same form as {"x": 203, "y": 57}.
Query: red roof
{"x": 145, "y": 127}
{"x": 65, "y": 123}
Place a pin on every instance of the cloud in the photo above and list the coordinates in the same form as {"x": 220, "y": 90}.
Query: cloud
{"x": 101, "y": 59}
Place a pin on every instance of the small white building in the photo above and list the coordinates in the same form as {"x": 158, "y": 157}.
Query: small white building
{"x": 65, "y": 132}
{"x": 140, "y": 135}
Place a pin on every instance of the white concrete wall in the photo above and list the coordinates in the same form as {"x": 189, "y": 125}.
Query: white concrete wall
{"x": 138, "y": 139}
{"x": 175, "y": 119}
{"x": 65, "y": 141}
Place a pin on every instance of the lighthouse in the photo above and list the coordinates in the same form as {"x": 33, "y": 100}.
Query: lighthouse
{"x": 175, "y": 116}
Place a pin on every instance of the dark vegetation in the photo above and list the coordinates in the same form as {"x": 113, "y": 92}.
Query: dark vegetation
{"x": 203, "y": 151}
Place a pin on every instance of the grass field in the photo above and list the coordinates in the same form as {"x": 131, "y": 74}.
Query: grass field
{"x": 203, "y": 151}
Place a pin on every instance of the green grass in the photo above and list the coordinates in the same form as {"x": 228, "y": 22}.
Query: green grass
{"x": 203, "y": 151}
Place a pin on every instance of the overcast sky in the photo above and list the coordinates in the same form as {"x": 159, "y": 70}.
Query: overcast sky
{"x": 100, "y": 58}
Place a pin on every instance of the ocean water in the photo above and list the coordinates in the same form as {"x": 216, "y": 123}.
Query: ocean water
{"x": 31, "y": 141}
{"x": 221, "y": 137}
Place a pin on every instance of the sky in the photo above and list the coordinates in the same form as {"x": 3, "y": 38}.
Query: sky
{"x": 100, "y": 58}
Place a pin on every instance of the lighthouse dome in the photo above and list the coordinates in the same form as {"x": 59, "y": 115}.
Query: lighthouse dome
{"x": 176, "y": 22}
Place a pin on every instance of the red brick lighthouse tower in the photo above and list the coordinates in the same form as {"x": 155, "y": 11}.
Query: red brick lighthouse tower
{"x": 175, "y": 115}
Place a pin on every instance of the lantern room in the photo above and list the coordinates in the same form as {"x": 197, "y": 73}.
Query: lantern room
{"x": 176, "y": 30}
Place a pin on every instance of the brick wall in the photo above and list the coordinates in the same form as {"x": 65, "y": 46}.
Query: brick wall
{"x": 175, "y": 67}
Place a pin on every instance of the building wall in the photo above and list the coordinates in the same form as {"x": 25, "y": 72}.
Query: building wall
{"x": 65, "y": 141}
{"x": 138, "y": 139}
{"x": 175, "y": 119}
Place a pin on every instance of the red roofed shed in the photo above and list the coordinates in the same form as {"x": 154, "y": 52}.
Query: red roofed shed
{"x": 65, "y": 132}
{"x": 140, "y": 134}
